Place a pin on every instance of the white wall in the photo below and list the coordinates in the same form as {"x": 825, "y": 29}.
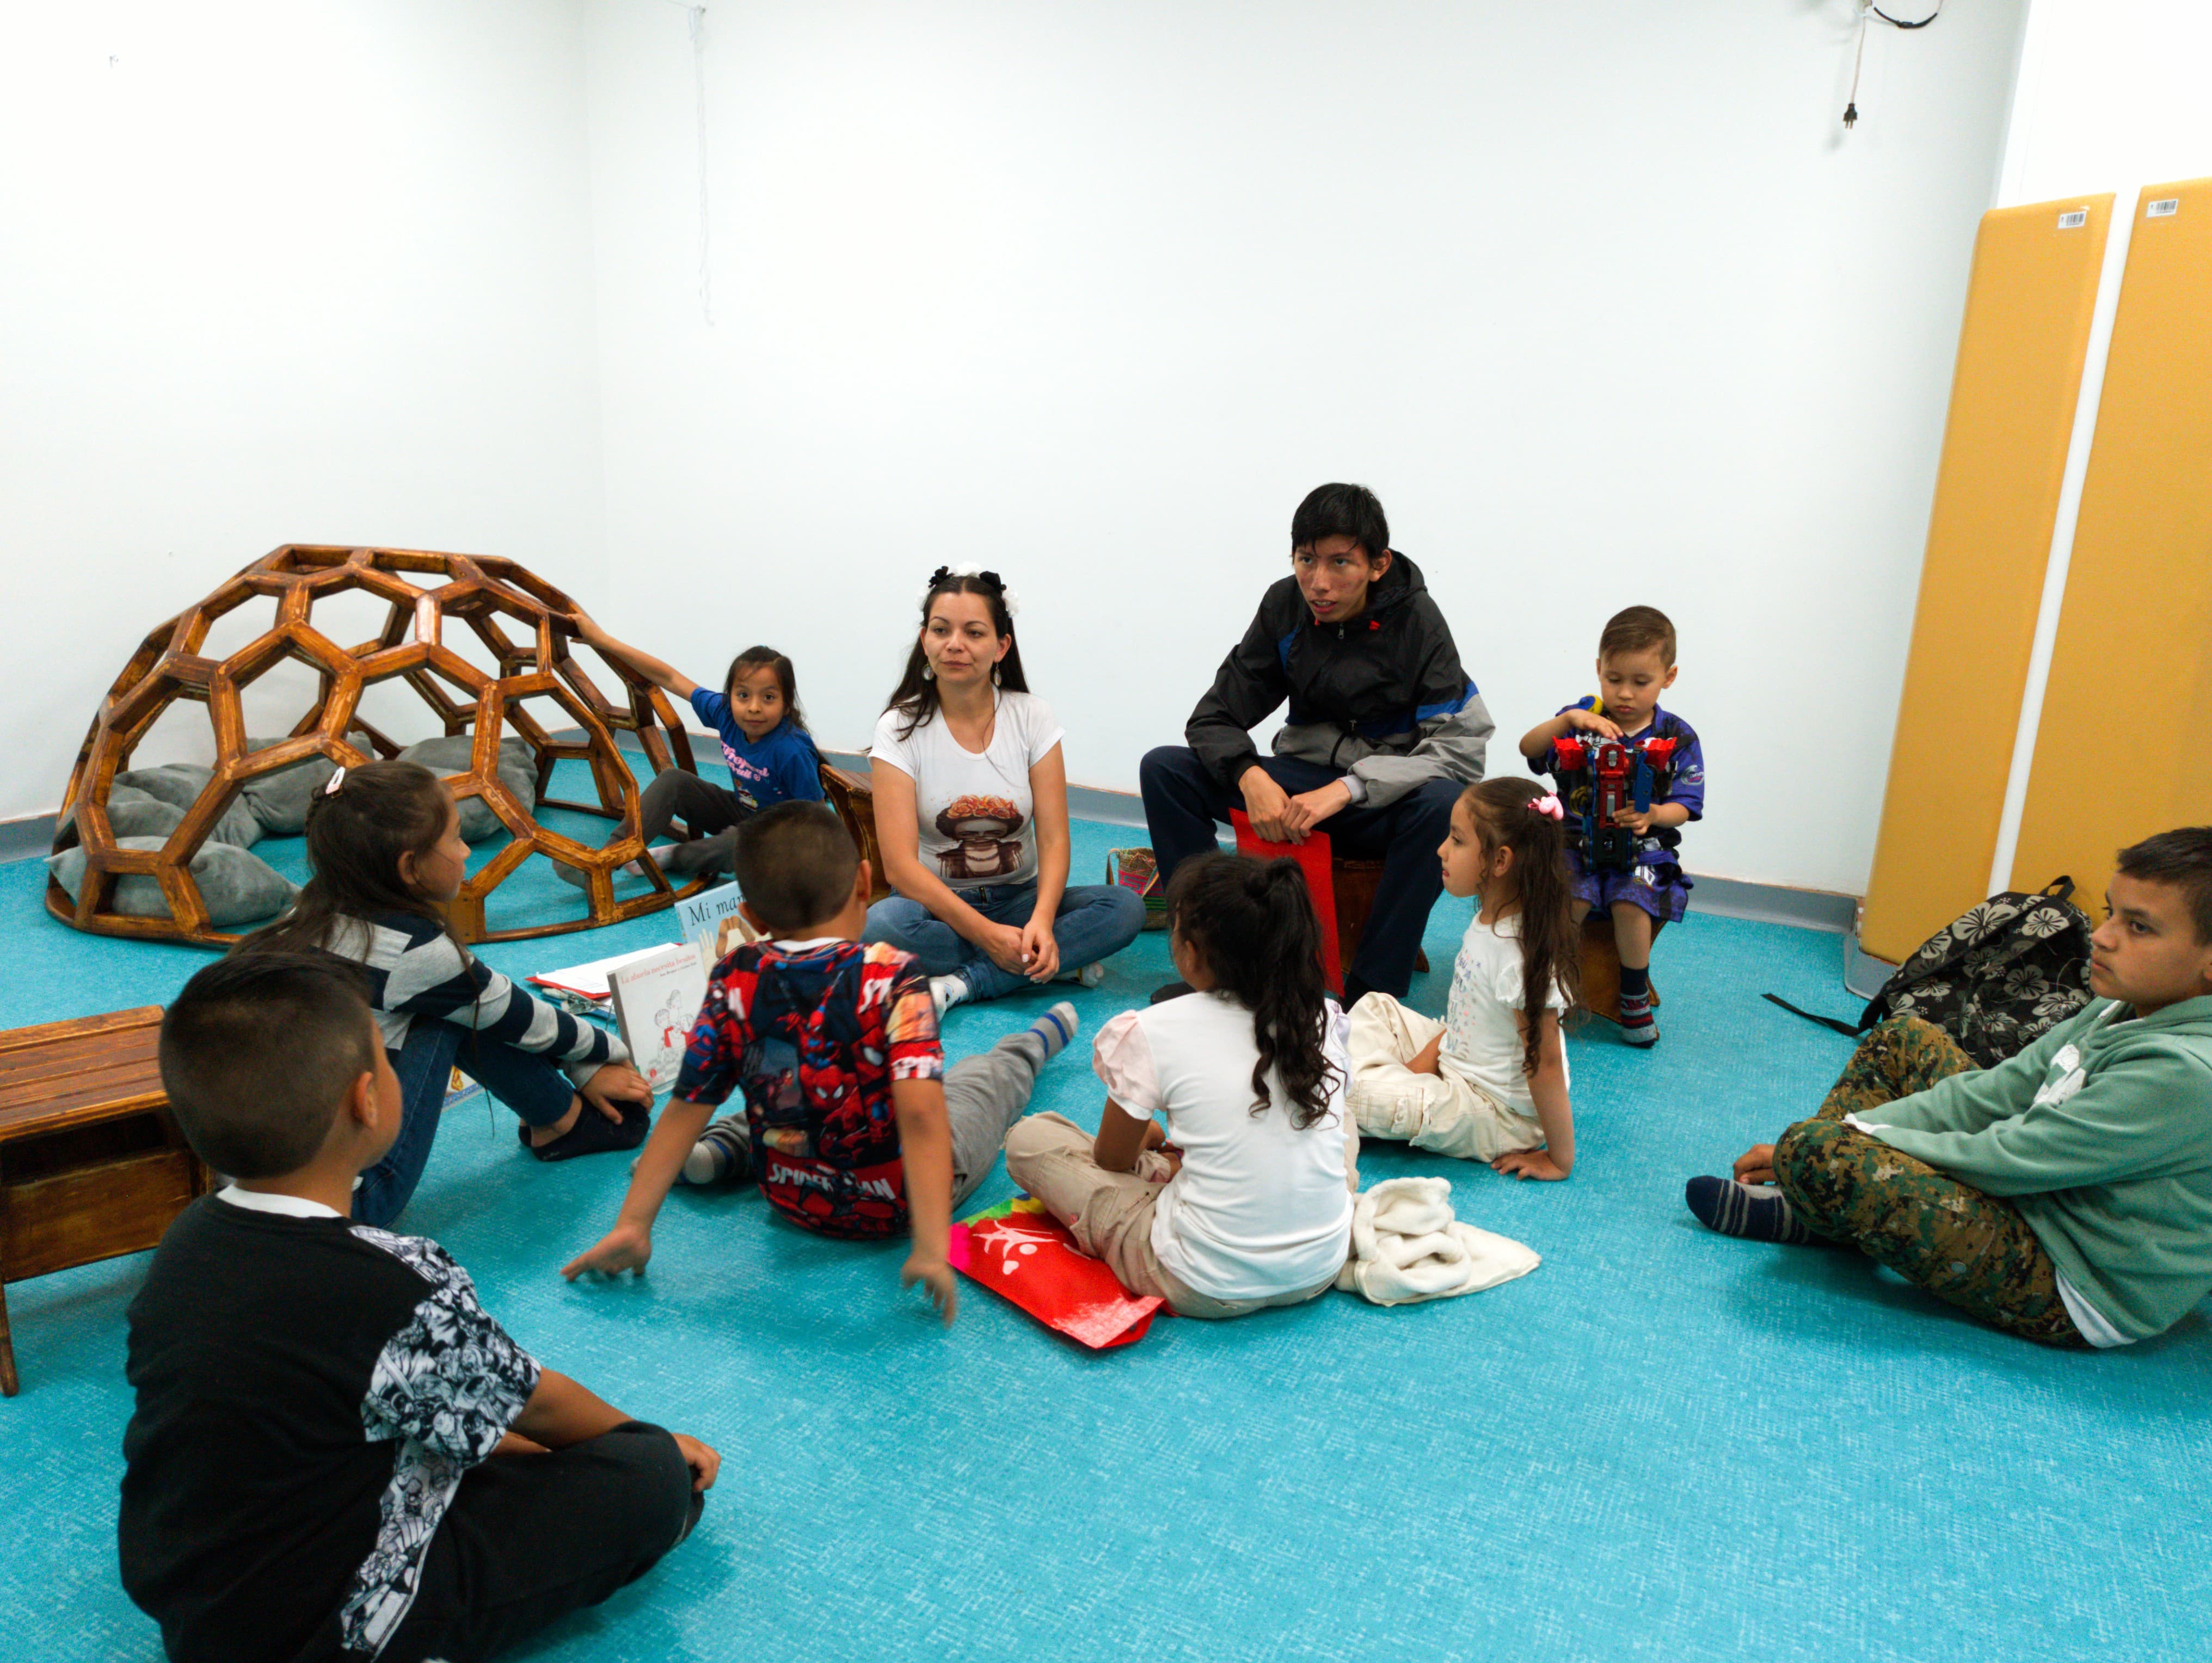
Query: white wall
{"x": 2111, "y": 95}
{"x": 1599, "y": 297}
{"x": 277, "y": 273}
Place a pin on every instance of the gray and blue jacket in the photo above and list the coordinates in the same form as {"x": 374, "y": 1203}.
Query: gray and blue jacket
{"x": 1380, "y": 697}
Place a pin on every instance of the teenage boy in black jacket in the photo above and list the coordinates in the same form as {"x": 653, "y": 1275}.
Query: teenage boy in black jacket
{"x": 1385, "y": 729}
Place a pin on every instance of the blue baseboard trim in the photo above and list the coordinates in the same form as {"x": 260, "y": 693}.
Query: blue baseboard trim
{"x": 33, "y": 834}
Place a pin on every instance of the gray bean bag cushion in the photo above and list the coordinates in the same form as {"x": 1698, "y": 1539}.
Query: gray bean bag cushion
{"x": 518, "y": 770}
{"x": 239, "y": 887}
{"x": 130, "y": 814}
{"x": 279, "y": 801}
{"x": 180, "y": 784}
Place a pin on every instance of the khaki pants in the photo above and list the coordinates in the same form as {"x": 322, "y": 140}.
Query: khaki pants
{"x": 1442, "y": 1111}
{"x": 1109, "y": 1214}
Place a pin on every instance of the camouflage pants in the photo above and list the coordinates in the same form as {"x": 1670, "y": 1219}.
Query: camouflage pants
{"x": 1973, "y": 1250}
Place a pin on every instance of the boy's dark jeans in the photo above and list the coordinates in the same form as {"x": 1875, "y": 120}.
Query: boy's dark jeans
{"x": 1183, "y": 801}
{"x": 530, "y": 1538}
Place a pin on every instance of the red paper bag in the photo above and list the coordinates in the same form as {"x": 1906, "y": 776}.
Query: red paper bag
{"x": 1023, "y": 1254}
{"x": 1314, "y": 858}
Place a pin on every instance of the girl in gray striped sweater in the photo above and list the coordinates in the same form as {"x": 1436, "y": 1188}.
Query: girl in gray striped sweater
{"x": 384, "y": 840}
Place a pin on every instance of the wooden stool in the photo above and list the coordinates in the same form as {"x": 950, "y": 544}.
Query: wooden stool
{"x": 91, "y": 1163}
{"x": 1355, "y": 882}
{"x": 1601, "y": 966}
{"x": 855, "y": 799}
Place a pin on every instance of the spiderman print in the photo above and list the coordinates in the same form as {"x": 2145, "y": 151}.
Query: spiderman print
{"x": 814, "y": 1040}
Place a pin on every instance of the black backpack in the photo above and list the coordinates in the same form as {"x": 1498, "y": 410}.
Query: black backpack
{"x": 1995, "y": 981}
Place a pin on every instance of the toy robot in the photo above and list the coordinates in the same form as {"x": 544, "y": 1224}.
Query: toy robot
{"x": 1603, "y": 779}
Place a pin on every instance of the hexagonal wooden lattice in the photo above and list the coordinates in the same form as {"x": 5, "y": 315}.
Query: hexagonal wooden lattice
{"x": 424, "y": 592}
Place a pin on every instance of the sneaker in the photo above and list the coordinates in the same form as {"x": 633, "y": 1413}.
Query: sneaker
{"x": 1639, "y": 1029}
{"x": 724, "y": 1154}
{"x": 1172, "y": 990}
{"x": 1089, "y": 976}
{"x": 946, "y": 992}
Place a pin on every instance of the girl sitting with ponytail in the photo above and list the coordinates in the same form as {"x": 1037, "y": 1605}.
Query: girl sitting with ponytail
{"x": 1490, "y": 1082}
{"x": 1244, "y": 1199}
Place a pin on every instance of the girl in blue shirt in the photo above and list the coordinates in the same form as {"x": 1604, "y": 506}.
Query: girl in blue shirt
{"x": 771, "y": 755}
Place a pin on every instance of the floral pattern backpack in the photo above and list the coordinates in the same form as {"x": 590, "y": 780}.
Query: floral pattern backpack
{"x": 1995, "y": 981}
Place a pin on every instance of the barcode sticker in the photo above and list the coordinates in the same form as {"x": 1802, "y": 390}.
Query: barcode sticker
{"x": 2073, "y": 221}
{"x": 2164, "y": 208}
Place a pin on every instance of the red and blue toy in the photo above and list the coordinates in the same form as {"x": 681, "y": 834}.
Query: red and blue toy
{"x": 1603, "y": 779}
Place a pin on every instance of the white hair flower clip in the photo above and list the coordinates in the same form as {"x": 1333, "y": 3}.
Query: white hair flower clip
{"x": 1007, "y": 597}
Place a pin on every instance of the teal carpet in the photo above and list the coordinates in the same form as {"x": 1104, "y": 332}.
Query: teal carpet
{"x": 1659, "y": 1444}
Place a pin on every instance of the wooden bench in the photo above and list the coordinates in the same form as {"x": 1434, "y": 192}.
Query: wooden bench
{"x": 853, "y": 796}
{"x": 91, "y": 1163}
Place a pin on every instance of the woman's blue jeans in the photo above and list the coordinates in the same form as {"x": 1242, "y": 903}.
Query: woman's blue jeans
{"x": 1095, "y": 921}
{"x": 533, "y": 1087}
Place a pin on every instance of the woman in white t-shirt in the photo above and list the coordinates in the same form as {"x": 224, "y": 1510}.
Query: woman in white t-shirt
{"x": 1244, "y": 1199}
{"x": 971, "y": 813}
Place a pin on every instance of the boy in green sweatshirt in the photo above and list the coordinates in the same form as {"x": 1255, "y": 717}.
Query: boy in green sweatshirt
{"x": 2064, "y": 1195}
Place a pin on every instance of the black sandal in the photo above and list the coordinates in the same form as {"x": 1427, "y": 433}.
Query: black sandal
{"x": 593, "y": 1133}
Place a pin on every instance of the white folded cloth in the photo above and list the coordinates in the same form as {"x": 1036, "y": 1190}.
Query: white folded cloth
{"x": 1407, "y": 1246}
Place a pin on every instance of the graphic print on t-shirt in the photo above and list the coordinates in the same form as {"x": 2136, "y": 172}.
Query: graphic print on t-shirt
{"x": 986, "y": 837}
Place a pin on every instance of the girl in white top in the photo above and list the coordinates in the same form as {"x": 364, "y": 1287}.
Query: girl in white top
{"x": 1490, "y": 1082}
{"x": 1243, "y": 1197}
{"x": 971, "y": 813}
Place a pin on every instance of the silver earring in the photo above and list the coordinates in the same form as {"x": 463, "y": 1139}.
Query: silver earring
{"x": 927, "y": 673}
{"x": 994, "y": 675}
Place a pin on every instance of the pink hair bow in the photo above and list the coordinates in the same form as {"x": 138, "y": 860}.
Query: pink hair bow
{"x": 1547, "y": 805}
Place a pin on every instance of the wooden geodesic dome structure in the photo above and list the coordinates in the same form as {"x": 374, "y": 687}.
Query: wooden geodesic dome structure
{"x": 525, "y": 674}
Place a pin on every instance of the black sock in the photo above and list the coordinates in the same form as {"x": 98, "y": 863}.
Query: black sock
{"x": 1756, "y": 1213}
{"x": 1635, "y": 983}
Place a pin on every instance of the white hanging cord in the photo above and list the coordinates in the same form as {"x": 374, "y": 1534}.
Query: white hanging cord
{"x": 1868, "y": 11}
{"x": 1858, "y": 61}
{"x": 696, "y": 18}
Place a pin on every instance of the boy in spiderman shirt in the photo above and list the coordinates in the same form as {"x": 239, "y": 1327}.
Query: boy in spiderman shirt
{"x": 853, "y": 1125}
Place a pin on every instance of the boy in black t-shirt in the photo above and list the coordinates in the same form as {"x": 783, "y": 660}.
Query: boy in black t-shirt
{"x": 336, "y": 1454}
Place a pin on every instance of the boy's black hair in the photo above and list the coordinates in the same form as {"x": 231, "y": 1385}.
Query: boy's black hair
{"x": 1638, "y": 629}
{"x": 1351, "y": 511}
{"x": 258, "y": 1051}
{"x": 796, "y": 863}
{"x": 2182, "y": 858}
